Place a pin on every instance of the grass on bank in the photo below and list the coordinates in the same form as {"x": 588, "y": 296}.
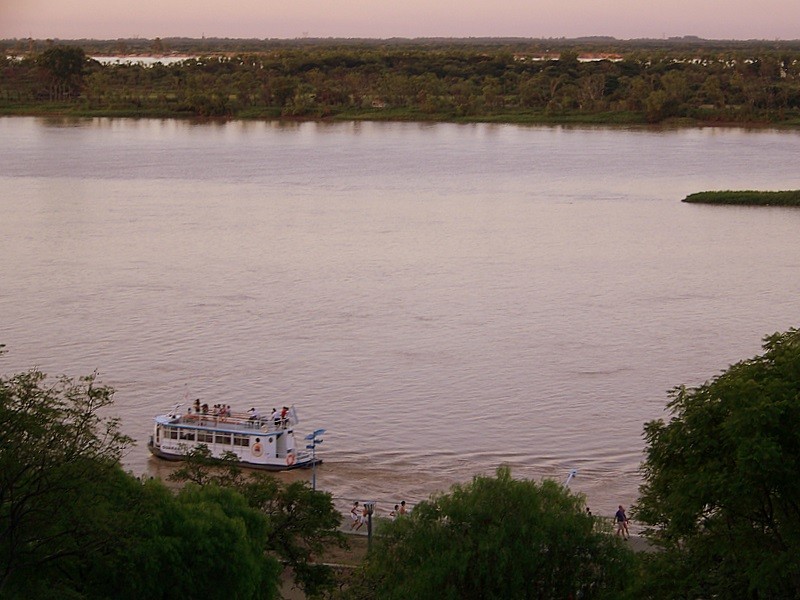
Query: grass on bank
{"x": 518, "y": 117}
{"x": 746, "y": 198}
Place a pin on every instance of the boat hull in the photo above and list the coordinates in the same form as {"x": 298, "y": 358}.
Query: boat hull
{"x": 305, "y": 464}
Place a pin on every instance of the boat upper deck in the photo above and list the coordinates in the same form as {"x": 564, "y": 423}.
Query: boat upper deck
{"x": 233, "y": 423}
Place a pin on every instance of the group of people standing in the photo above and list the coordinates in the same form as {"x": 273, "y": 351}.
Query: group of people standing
{"x": 219, "y": 410}
{"x": 359, "y": 513}
{"x": 280, "y": 418}
{"x": 399, "y": 510}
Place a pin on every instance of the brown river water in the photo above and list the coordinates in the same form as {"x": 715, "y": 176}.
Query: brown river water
{"x": 442, "y": 299}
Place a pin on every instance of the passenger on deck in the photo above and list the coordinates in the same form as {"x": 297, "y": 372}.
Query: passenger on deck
{"x": 275, "y": 417}
{"x": 254, "y": 416}
{"x": 197, "y": 406}
{"x": 284, "y": 416}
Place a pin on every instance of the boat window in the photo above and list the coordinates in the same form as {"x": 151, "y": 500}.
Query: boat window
{"x": 241, "y": 440}
{"x": 187, "y": 435}
{"x": 223, "y": 438}
{"x": 205, "y": 436}
{"x": 172, "y": 433}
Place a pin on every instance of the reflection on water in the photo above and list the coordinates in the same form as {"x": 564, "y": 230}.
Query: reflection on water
{"x": 442, "y": 299}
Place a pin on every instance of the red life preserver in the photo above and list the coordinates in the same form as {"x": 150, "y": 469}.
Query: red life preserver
{"x": 257, "y": 449}
{"x": 290, "y": 458}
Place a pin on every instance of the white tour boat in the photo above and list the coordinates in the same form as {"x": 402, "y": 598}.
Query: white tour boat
{"x": 258, "y": 442}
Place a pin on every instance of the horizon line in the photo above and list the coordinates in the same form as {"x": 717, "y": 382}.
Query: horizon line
{"x": 684, "y": 38}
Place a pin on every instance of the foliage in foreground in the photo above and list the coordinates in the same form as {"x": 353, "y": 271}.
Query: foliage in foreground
{"x": 721, "y": 493}
{"x": 746, "y": 197}
{"x": 301, "y": 522}
{"x": 496, "y": 537}
{"x": 56, "y": 460}
{"x": 73, "y": 524}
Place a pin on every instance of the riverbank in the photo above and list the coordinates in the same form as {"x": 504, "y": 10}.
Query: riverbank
{"x": 603, "y": 119}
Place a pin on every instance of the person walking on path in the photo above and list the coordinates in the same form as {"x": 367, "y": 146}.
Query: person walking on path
{"x": 364, "y": 517}
{"x": 354, "y": 515}
{"x": 621, "y": 519}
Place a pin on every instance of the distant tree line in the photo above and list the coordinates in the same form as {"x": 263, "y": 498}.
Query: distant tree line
{"x": 435, "y": 82}
{"x": 210, "y": 45}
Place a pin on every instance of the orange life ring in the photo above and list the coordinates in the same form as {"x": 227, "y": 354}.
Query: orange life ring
{"x": 257, "y": 449}
{"x": 290, "y": 458}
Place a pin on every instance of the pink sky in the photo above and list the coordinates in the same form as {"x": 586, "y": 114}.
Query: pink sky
{"x": 624, "y": 19}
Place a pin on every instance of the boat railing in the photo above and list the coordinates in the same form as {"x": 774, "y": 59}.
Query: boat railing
{"x": 237, "y": 420}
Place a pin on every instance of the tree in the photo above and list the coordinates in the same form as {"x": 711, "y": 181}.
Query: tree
{"x": 496, "y": 537}
{"x": 568, "y": 61}
{"x": 220, "y": 552}
{"x": 63, "y": 66}
{"x": 301, "y": 522}
{"x": 721, "y": 493}
{"x": 659, "y": 106}
{"x": 73, "y": 524}
{"x": 54, "y": 448}
{"x": 710, "y": 92}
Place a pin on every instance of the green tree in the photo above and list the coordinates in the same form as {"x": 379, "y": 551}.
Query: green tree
{"x": 54, "y": 448}
{"x": 710, "y": 92}
{"x": 496, "y": 537}
{"x": 721, "y": 492}
{"x": 63, "y": 67}
{"x": 659, "y": 105}
{"x": 73, "y": 524}
{"x": 301, "y": 522}
{"x": 568, "y": 61}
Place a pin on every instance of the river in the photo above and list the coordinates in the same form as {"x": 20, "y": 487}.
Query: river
{"x": 441, "y": 298}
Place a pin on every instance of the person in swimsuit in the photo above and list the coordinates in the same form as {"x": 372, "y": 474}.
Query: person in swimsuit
{"x": 354, "y": 515}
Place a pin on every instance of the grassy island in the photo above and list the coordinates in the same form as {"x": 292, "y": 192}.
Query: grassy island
{"x": 746, "y": 198}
